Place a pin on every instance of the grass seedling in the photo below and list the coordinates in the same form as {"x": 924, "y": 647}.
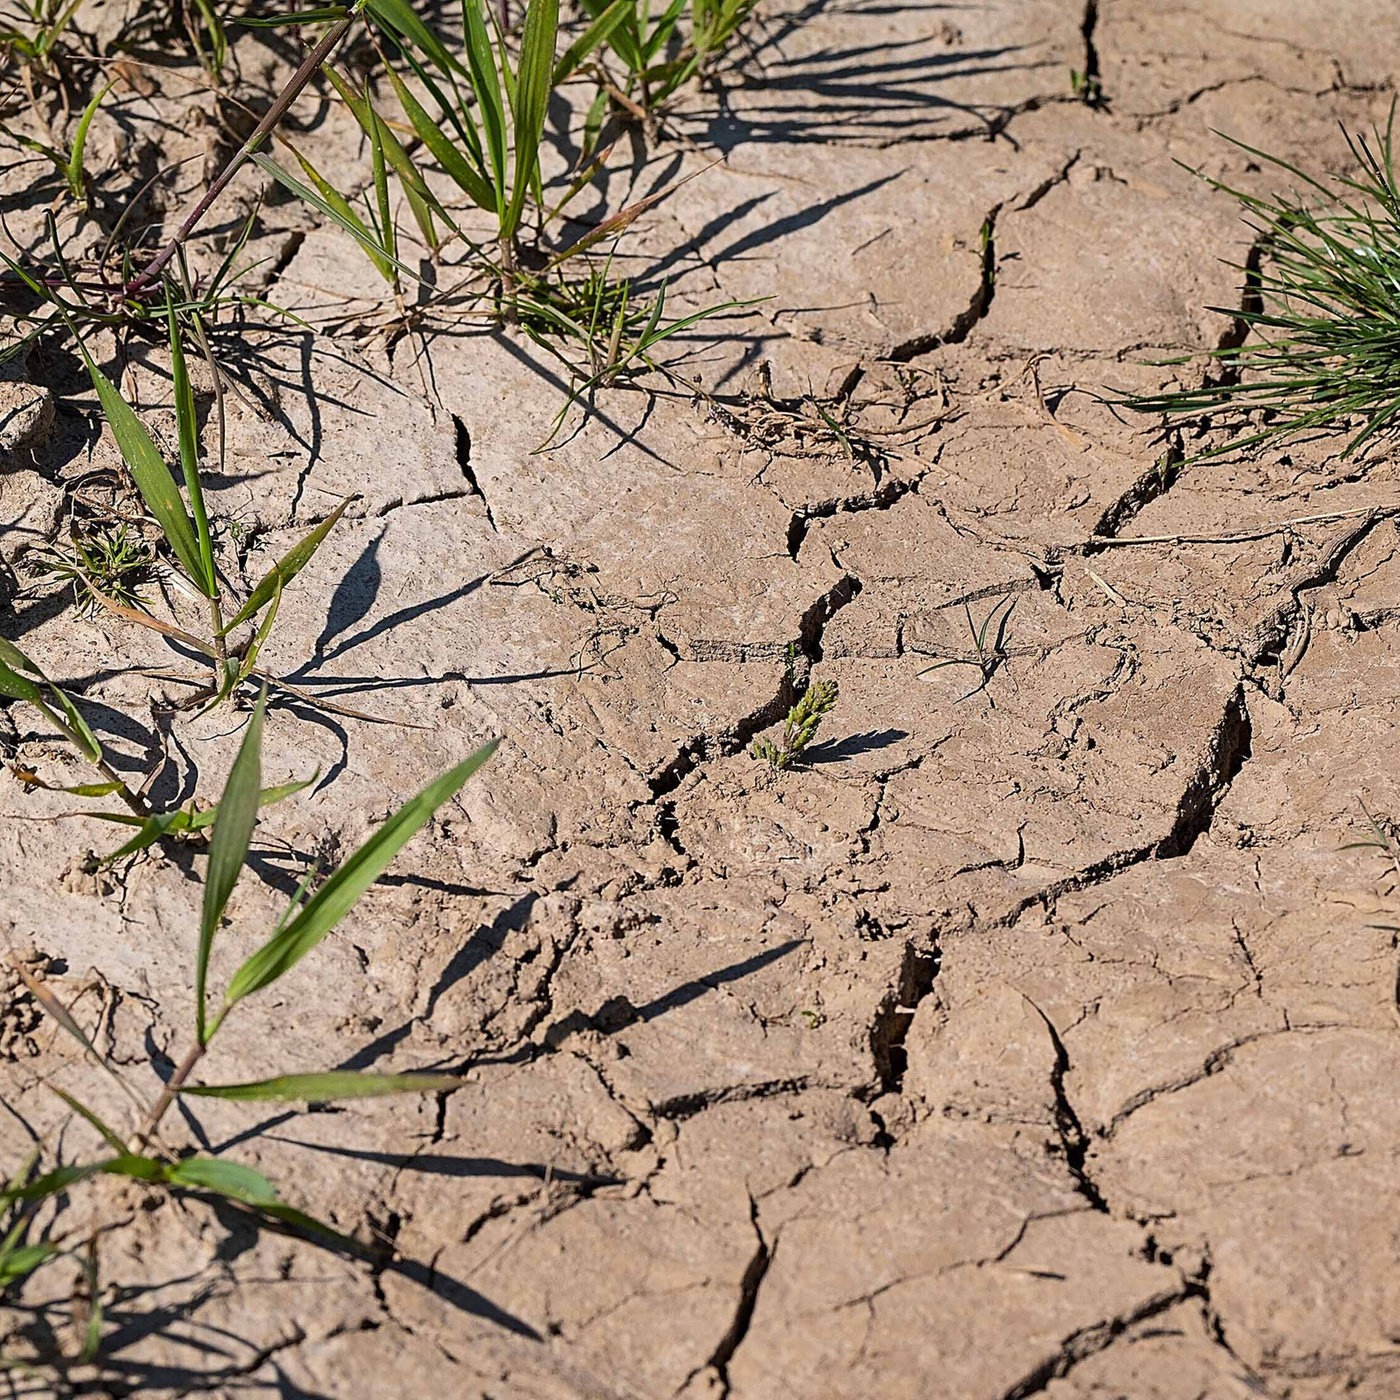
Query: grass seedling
{"x": 989, "y": 651}
{"x": 185, "y": 530}
{"x": 114, "y": 560}
{"x": 309, "y": 917}
{"x": 1323, "y": 344}
{"x": 800, "y": 727}
{"x": 69, "y": 163}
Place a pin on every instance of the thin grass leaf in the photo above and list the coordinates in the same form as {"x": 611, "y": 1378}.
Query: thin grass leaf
{"x": 328, "y": 1087}
{"x": 89, "y": 1117}
{"x": 400, "y": 17}
{"x": 533, "y": 87}
{"x": 335, "y": 207}
{"x": 324, "y": 909}
{"x": 286, "y": 568}
{"x": 228, "y": 848}
{"x": 148, "y": 470}
{"x": 188, "y": 429}
{"x": 74, "y": 170}
{"x": 19, "y": 1262}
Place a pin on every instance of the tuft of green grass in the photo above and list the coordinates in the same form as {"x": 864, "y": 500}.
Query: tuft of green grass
{"x": 113, "y": 559}
{"x": 1322, "y": 314}
{"x": 800, "y": 727}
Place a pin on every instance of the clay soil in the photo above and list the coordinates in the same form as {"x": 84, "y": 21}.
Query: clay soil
{"x": 1032, "y": 1039}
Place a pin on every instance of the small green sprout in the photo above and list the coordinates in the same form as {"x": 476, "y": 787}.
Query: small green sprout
{"x": 989, "y": 650}
{"x": 803, "y": 721}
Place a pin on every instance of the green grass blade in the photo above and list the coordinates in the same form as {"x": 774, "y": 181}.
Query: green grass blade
{"x": 148, "y": 470}
{"x": 148, "y": 833}
{"x": 21, "y": 1260}
{"x": 12, "y": 684}
{"x": 328, "y": 1087}
{"x": 228, "y": 848}
{"x": 533, "y": 87}
{"x": 286, "y": 568}
{"x": 231, "y": 1179}
{"x": 335, "y": 207}
{"x": 400, "y": 17}
{"x": 89, "y": 1117}
{"x": 486, "y": 84}
{"x": 601, "y": 29}
{"x": 74, "y": 170}
{"x": 338, "y": 894}
{"x": 188, "y": 426}
{"x": 471, "y": 181}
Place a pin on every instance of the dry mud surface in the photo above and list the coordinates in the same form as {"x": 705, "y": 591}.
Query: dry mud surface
{"x": 1038, "y": 1041}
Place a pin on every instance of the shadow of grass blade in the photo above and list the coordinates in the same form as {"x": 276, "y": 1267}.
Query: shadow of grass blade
{"x": 335, "y": 898}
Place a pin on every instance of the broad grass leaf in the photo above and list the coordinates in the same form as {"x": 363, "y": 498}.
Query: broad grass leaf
{"x": 327, "y": 1087}
{"x": 400, "y": 17}
{"x": 20, "y": 1260}
{"x": 469, "y": 179}
{"x": 602, "y": 27}
{"x": 534, "y": 83}
{"x": 148, "y": 470}
{"x": 486, "y": 84}
{"x": 188, "y": 426}
{"x": 228, "y": 848}
{"x": 334, "y": 899}
{"x": 287, "y": 567}
{"x": 232, "y": 1179}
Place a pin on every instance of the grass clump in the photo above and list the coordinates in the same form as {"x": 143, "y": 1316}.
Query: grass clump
{"x": 1321, "y": 312}
{"x": 800, "y": 727}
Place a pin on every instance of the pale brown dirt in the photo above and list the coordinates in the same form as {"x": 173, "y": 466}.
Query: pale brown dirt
{"x": 1041, "y": 1041}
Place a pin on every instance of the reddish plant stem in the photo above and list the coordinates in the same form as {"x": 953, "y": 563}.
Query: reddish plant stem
{"x": 289, "y": 94}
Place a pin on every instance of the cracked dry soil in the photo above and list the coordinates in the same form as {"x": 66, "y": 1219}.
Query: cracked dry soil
{"x": 1035, "y": 1042}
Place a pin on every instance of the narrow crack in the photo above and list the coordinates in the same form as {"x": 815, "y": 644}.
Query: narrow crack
{"x": 976, "y": 309}
{"x": 882, "y": 498}
{"x": 1089, "y": 1341}
{"x": 749, "y": 1285}
{"x": 463, "y": 439}
{"x": 1150, "y": 486}
{"x": 1228, "y": 751}
{"x": 1074, "y": 1141}
{"x": 699, "y": 747}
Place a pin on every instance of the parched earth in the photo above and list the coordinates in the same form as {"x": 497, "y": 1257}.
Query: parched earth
{"x": 1039, "y": 1037}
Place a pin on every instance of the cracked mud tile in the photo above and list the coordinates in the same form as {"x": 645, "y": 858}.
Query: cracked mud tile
{"x": 1237, "y": 1162}
{"x": 919, "y": 1243}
